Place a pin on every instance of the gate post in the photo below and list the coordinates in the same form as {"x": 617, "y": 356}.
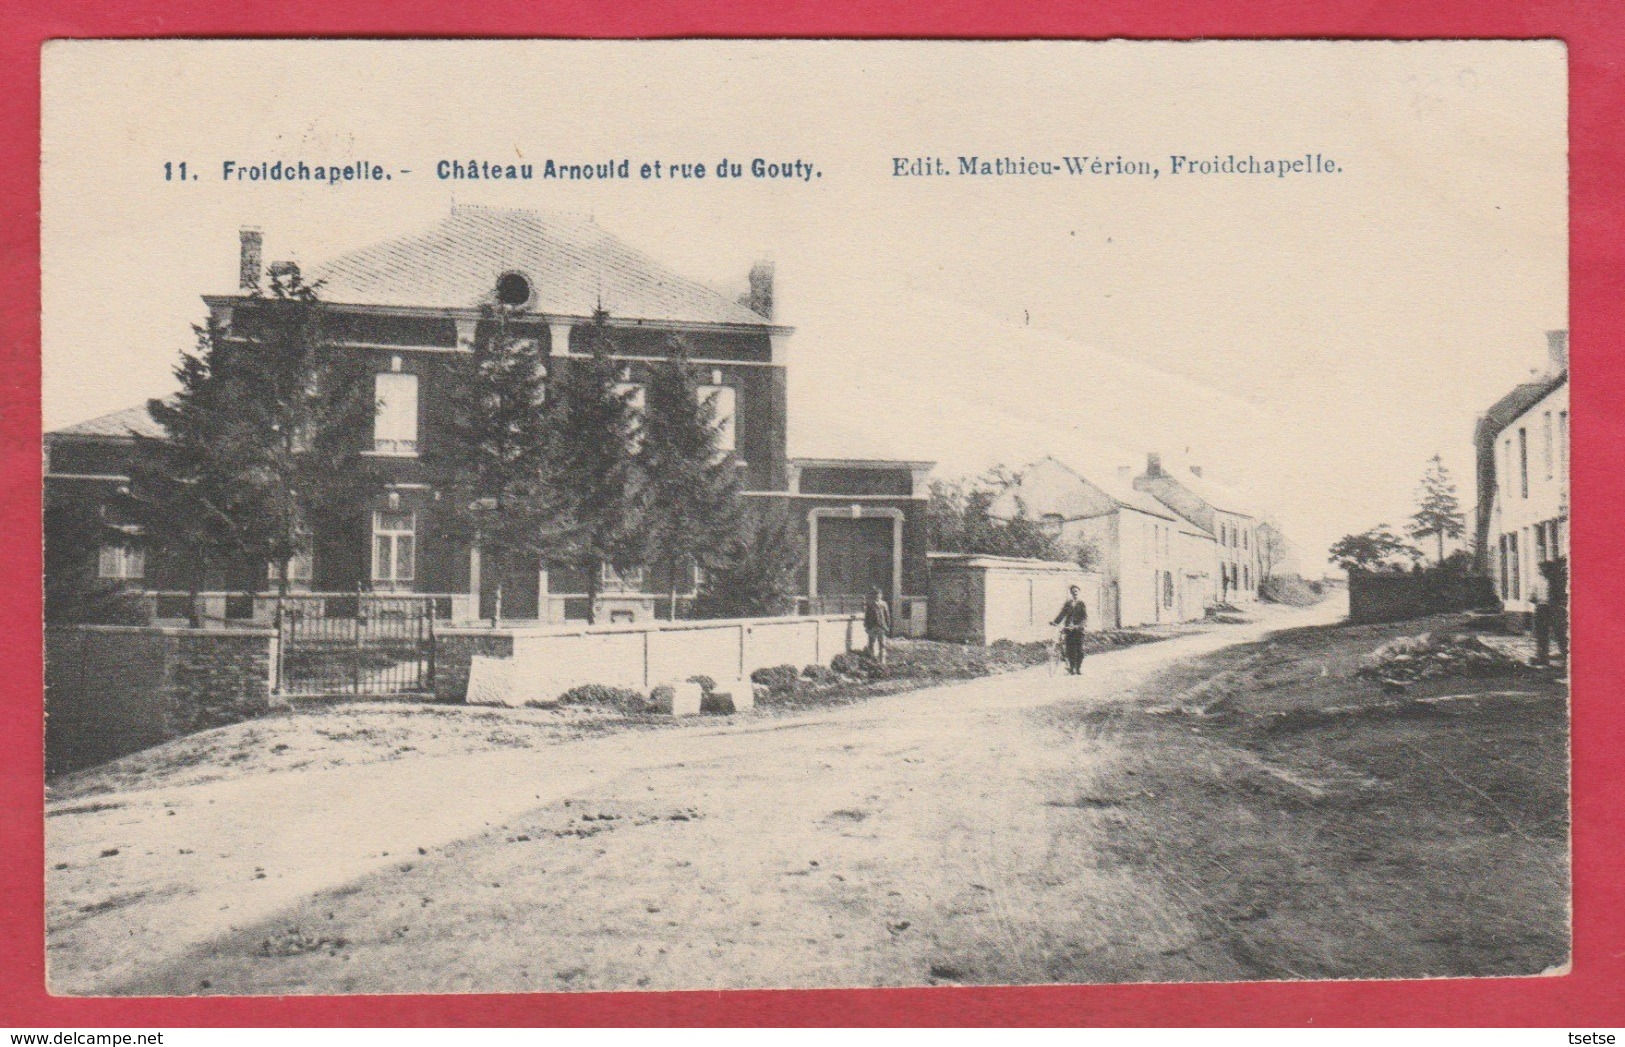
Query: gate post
{"x": 360, "y": 623}
{"x": 278, "y": 655}
{"x": 428, "y": 606}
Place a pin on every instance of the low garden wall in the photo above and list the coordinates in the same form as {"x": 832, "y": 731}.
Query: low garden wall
{"x": 541, "y": 662}
{"x": 112, "y": 690}
{"x": 1392, "y": 597}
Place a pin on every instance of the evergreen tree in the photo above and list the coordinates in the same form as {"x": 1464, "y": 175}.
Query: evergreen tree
{"x": 592, "y": 483}
{"x": 690, "y": 505}
{"x": 490, "y": 443}
{"x": 260, "y": 440}
{"x": 76, "y": 528}
{"x": 187, "y": 492}
{"x": 1438, "y": 511}
{"x": 759, "y": 574}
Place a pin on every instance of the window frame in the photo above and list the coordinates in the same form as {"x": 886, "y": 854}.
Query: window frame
{"x": 394, "y": 577}
{"x": 128, "y": 562}
{"x": 386, "y": 405}
{"x": 1523, "y": 461}
{"x": 726, "y": 424}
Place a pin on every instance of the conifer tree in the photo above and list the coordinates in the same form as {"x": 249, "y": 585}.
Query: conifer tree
{"x": 490, "y": 443}
{"x": 592, "y": 483}
{"x": 690, "y": 504}
{"x": 1438, "y": 511}
{"x": 758, "y": 574}
{"x": 261, "y": 440}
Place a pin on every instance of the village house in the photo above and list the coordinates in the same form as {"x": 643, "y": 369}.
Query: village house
{"x": 403, "y": 307}
{"x": 1154, "y": 566}
{"x": 1522, "y": 445}
{"x": 1218, "y": 512}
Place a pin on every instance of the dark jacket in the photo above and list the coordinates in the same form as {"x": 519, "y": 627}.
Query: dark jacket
{"x": 1074, "y": 615}
{"x": 877, "y": 617}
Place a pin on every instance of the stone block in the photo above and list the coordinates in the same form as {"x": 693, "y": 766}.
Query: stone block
{"x": 678, "y": 699}
{"x": 490, "y": 682}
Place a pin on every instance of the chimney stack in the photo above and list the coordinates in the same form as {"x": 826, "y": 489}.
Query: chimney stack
{"x": 1153, "y": 464}
{"x": 1557, "y": 352}
{"x": 250, "y": 259}
{"x": 760, "y": 299}
{"x": 1196, "y": 471}
{"x": 1123, "y": 473}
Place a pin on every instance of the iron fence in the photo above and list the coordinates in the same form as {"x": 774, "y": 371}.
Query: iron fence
{"x": 355, "y": 644}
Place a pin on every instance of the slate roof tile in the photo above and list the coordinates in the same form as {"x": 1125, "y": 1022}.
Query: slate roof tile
{"x": 572, "y": 264}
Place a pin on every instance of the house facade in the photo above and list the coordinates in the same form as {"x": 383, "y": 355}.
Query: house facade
{"x": 1154, "y": 567}
{"x": 402, "y": 309}
{"x": 1214, "y": 510}
{"x": 1523, "y": 474}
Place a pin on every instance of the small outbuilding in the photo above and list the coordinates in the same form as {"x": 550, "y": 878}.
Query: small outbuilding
{"x": 980, "y": 599}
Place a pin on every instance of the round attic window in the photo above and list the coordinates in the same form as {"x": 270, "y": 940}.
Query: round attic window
{"x": 513, "y": 289}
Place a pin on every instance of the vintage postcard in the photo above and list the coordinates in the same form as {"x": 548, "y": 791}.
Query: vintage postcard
{"x": 552, "y": 516}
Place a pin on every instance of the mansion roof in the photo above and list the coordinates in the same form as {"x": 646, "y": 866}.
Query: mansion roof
{"x": 573, "y": 266}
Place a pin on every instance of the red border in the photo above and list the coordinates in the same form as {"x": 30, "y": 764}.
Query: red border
{"x": 1591, "y": 995}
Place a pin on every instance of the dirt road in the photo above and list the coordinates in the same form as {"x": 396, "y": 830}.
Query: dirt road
{"x": 934, "y": 836}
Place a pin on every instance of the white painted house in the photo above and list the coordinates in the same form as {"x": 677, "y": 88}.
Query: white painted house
{"x": 1154, "y": 566}
{"x": 1218, "y": 511}
{"x": 1524, "y": 479}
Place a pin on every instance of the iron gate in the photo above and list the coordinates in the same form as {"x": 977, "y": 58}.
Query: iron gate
{"x": 355, "y": 644}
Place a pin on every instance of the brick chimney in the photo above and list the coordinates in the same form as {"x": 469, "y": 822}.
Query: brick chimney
{"x": 760, "y": 299}
{"x": 1153, "y": 464}
{"x": 250, "y": 259}
{"x": 1557, "y": 352}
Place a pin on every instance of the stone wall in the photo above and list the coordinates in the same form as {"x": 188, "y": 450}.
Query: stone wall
{"x": 1392, "y": 597}
{"x": 113, "y": 690}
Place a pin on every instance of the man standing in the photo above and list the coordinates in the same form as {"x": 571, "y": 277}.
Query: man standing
{"x": 1549, "y": 593}
{"x": 877, "y": 623}
{"x": 1074, "y": 617}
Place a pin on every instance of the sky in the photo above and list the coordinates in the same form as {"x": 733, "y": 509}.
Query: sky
{"x": 1312, "y": 339}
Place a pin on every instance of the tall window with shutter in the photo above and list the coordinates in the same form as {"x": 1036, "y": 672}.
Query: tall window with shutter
{"x": 1546, "y": 444}
{"x": 636, "y": 397}
{"x": 1523, "y": 462}
{"x": 724, "y": 402}
{"x": 395, "y": 427}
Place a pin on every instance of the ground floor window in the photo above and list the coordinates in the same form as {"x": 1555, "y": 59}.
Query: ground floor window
{"x": 301, "y": 568}
{"x": 629, "y": 580}
{"x": 394, "y": 548}
{"x": 121, "y": 563}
